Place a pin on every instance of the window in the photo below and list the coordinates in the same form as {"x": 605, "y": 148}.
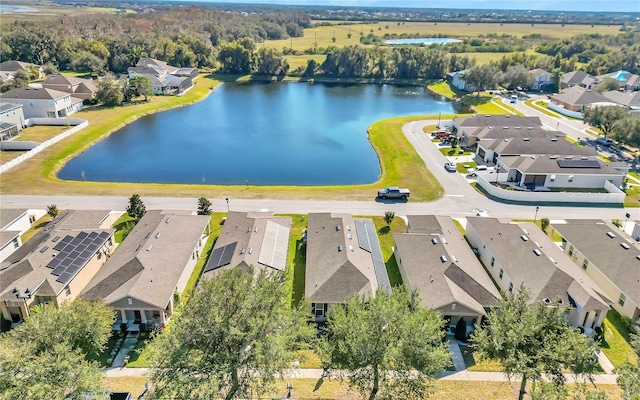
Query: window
{"x": 585, "y": 264}
{"x": 15, "y": 243}
{"x": 571, "y": 249}
{"x": 501, "y": 273}
{"x": 129, "y": 301}
{"x": 99, "y": 254}
{"x": 511, "y": 286}
{"x": 570, "y": 178}
{"x": 493, "y": 261}
{"x": 623, "y": 298}
{"x": 67, "y": 290}
{"x": 319, "y": 309}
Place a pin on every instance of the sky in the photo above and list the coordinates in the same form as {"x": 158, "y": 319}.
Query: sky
{"x": 555, "y": 5}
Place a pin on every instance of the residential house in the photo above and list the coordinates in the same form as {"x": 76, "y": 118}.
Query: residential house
{"x": 609, "y": 257}
{"x": 576, "y": 98}
{"x": 257, "y": 240}
{"x": 153, "y": 264}
{"x": 521, "y": 254}
{"x": 10, "y": 67}
{"x": 57, "y": 263}
{"x": 628, "y": 82}
{"x": 43, "y": 103}
{"x": 469, "y": 129}
{"x": 343, "y": 259}
{"x": 456, "y": 79}
{"x": 84, "y": 89}
{"x": 11, "y": 120}
{"x": 491, "y": 149}
{"x": 435, "y": 260}
{"x": 578, "y": 78}
{"x": 165, "y": 79}
{"x": 629, "y": 100}
{"x": 14, "y": 223}
{"x": 541, "y": 78}
{"x": 552, "y": 171}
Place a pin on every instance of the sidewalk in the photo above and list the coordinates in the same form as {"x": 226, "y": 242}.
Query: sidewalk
{"x": 473, "y": 376}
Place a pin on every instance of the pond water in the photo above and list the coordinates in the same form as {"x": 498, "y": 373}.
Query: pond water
{"x": 422, "y": 41}
{"x": 256, "y": 133}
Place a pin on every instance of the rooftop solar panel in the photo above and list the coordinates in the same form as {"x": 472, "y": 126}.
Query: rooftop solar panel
{"x": 54, "y": 263}
{"x": 86, "y": 241}
{"x": 72, "y": 269}
{"x": 81, "y": 247}
{"x": 74, "y": 254}
{"x": 87, "y": 254}
{"x": 92, "y": 247}
{"x": 104, "y": 235}
{"x": 64, "y": 278}
{"x": 578, "y": 164}
{"x": 363, "y": 237}
{"x": 63, "y": 243}
{"x": 82, "y": 235}
{"x": 78, "y": 261}
{"x": 76, "y": 241}
{"x": 214, "y": 259}
{"x": 228, "y": 254}
{"x": 93, "y": 235}
{"x": 376, "y": 254}
{"x": 59, "y": 270}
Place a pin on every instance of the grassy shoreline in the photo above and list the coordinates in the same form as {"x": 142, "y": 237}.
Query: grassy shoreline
{"x": 398, "y": 160}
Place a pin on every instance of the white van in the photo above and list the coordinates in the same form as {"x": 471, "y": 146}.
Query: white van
{"x": 514, "y": 98}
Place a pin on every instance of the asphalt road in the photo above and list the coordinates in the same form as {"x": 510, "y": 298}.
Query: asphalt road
{"x": 460, "y": 199}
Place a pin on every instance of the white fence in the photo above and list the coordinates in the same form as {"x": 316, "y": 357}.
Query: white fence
{"x": 16, "y": 161}
{"x": 54, "y": 121}
{"x": 564, "y": 111}
{"x": 615, "y": 195}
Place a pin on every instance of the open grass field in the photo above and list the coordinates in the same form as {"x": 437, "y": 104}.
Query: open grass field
{"x": 301, "y": 61}
{"x": 40, "y": 133}
{"x": 46, "y": 9}
{"x": 322, "y": 36}
{"x": 333, "y": 389}
{"x": 6, "y": 156}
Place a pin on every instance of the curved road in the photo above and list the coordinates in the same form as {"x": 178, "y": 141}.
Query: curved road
{"x": 460, "y": 199}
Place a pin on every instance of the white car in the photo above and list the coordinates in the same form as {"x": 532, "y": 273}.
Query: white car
{"x": 451, "y": 167}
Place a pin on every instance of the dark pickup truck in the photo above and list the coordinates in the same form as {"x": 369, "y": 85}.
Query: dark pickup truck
{"x": 394, "y": 193}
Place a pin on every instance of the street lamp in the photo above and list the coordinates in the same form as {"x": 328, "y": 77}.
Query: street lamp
{"x": 497, "y": 173}
{"x": 26, "y": 296}
{"x": 536, "y": 217}
{"x": 227, "y": 199}
{"x": 439, "y": 115}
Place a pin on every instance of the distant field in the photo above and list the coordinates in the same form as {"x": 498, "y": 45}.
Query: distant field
{"x": 323, "y": 35}
{"x": 47, "y": 9}
{"x": 297, "y": 61}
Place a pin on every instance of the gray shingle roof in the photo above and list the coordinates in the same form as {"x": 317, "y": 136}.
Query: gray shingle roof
{"x": 497, "y": 121}
{"x": 547, "y": 164}
{"x": 537, "y": 145}
{"x": 619, "y": 265}
{"x": 580, "y": 96}
{"x": 461, "y": 278}
{"x": 9, "y": 215}
{"x": 548, "y": 275}
{"x": 5, "y": 106}
{"x": 627, "y": 99}
{"x": 578, "y": 77}
{"x": 33, "y": 94}
{"x": 337, "y": 267}
{"x": 149, "y": 263}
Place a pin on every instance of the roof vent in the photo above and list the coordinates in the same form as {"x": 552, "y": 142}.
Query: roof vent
{"x": 552, "y": 157}
{"x": 610, "y": 234}
{"x": 547, "y": 300}
{"x": 340, "y": 248}
{"x": 248, "y": 229}
{"x": 537, "y": 252}
{"x": 348, "y": 227}
{"x": 55, "y": 239}
{"x": 158, "y": 235}
{"x": 568, "y": 157}
{"x": 624, "y": 246}
{"x": 524, "y": 238}
{"x": 505, "y": 127}
{"x": 150, "y": 247}
{"x": 444, "y": 240}
{"x": 43, "y": 249}
{"x": 138, "y": 248}
{"x": 434, "y": 240}
{"x": 250, "y": 250}
{"x": 242, "y": 250}
{"x": 351, "y": 247}
{"x": 255, "y": 229}
{"x": 147, "y": 235}
{"x": 349, "y": 236}
{"x": 530, "y": 128}
{"x": 554, "y": 139}
{"x": 338, "y": 227}
{"x": 443, "y": 258}
{"x": 552, "y": 260}
{"x": 584, "y": 158}
{"x": 454, "y": 258}
{"x": 638, "y": 256}
{"x": 537, "y": 244}
{"x": 166, "y": 221}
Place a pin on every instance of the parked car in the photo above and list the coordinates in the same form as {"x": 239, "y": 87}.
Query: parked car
{"x": 451, "y": 167}
{"x": 604, "y": 141}
{"x": 472, "y": 174}
{"x": 514, "y": 98}
{"x": 440, "y": 133}
{"x": 394, "y": 192}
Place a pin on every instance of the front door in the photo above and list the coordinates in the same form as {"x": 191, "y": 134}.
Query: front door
{"x": 137, "y": 317}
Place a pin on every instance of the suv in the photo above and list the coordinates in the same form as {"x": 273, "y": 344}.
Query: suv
{"x": 451, "y": 167}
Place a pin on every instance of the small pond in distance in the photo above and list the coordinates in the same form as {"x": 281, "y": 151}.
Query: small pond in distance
{"x": 260, "y": 133}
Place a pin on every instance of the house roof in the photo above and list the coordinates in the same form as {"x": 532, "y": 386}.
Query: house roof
{"x": 146, "y": 61}
{"x": 620, "y": 265}
{"x": 6, "y": 106}
{"x": 627, "y": 99}
{"x": 550, "y": 164}
{"x": 147, "y": 70}
{"x": 542, "y": 266}
{"x": 9, "y": 215}
{"x": 622, "y": 76}
{"x": 12, "y": 65}
{"x": 151, "y": 260}
{"x": 184, "y": 71}
{"x": 508, "y": 132}
{"x": 482, "y": 121}
{"x": 459, "y": 278}
{"x": 7, "y": 236}
{"x": 33, "y": 94}
{"x": 578, "y": 77}
{"x": 54, "y": 256}
{"x": 343, "y": 258}
{"x": 173, "y": 81}
{"x": 538, "y": 72}
{"x": 57, "y": 80}
{"x": 538, "y": 145}
{"x": 579, "y": 96}
{"x": 258, "y": 240}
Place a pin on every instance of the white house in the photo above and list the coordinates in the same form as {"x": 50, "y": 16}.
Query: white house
{"x": 541, "y": 78}
{"x": 516, "y": 254}
{"x": 43, "y": 103}
{"x": 609, "y": 257}
{"x": 11, "y": 120}
{"x": 13, "y": 223}
{"x": 456, "y": 79}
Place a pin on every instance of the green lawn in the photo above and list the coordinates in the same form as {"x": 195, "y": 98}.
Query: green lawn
{"x": 296, "y": 258}
{"x": 40, "y": 133}
{"x": 123, "y": 226}
{"x": 443, "y": 89}
{"x": 450, "y": 152}
{"x": 460, "y": 167}
{"x": 36, "y": 227}
{"x": 140, "y": 355}
{"x": 616, "y": 340}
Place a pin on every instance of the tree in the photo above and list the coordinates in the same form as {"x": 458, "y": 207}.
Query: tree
{"x": 141, "y": 86}
{"x": 517, "y": 76}
{"x": 110, "y": 91}
{"x": 388, "y": 217}
{"x": 237, "y": 57}
{"x": 604, "y": 117}
{"x": 606, "y": 85}
{"x": 136, "y": 208}
{"x": 204, "y": 206}
{"x": 271, "y": 62}
{"x": 482, "y": 77}
{"x": 544, "y": 224}
{"x": 627, "y": 130}
{"x": 533, "y": 339}
{"x": 629, "y": 372}
{"x": 46, "y": 356}
{"x": 52, "y": 210}
{"x": 389, "y": 345}
{"x": 236, "y": 333}
{"x": 556, "y": 78}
